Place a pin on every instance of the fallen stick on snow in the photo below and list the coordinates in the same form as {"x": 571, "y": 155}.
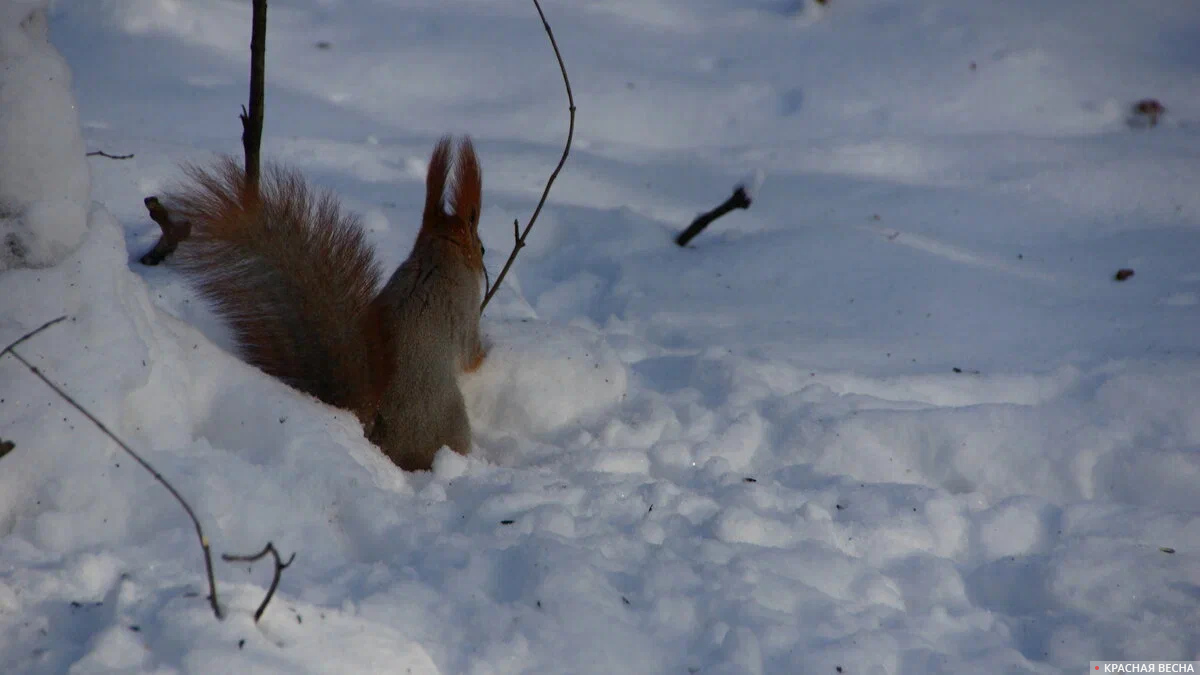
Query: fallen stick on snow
{"x": 738, "y": 200}
{"x": 743, "y": 195}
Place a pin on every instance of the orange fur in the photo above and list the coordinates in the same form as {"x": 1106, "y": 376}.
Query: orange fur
{"x": 294, "y": 277}
{"x": 299, "y": 284}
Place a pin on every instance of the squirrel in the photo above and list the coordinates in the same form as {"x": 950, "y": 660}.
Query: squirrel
{"x": 293, "y": 275}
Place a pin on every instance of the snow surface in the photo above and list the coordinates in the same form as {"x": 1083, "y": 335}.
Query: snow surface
{"x": 44, "y": 180}
{"x": 897, "y": 417}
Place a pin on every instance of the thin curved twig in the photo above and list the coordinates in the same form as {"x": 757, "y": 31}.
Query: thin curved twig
{"x": 208, "y": 566}
{"x": 519, "y": 238}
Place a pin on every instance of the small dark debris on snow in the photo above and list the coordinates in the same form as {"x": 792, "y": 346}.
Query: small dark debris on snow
{"x": 1166, "y": 549}
{"x": 241, "y": 643}
{"x": 1123, "y": 274}
{"x": 1145, "y": 113}
{"x": 624, "y": 599}
{"x": 136, "y": 629}
{"x": 6, "y": 447}
{"x": 968, "y": 372}
{"x": 749, "y": 479}
{"x": 507, "y": 522}
{"x": 324, "y": 44}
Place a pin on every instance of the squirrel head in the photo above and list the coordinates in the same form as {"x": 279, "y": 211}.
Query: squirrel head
{"x": 462, "y": 192}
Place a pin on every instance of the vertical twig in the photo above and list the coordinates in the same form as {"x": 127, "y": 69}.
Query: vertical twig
{"x": 212, "y": 584}
{"x": 252, "y": 121}
{"x": 252, "y": 126}
{"x": 518, "y": 235}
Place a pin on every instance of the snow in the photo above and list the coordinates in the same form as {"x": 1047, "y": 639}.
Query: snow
{"x": 897, "y": 417}
{"x": 44, "y": 180}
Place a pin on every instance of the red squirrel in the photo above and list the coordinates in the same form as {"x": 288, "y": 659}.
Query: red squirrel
{"x": 293, "y": 275}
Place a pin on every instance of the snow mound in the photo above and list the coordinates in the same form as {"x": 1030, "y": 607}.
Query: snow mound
{"x": 44, "y": 179}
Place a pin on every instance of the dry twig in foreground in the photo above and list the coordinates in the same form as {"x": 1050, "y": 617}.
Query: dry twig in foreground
{"x": 11, "y": 349}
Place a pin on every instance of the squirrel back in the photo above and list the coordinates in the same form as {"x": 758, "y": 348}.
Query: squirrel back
{"x": 297, "y": 281}
{"x": 435, "y": 297}
{"x": 293, "y": 276}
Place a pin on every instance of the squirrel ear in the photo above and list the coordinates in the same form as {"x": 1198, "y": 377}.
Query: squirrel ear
{"x": 435, "y": 180}
{"x": 468, "y": 183}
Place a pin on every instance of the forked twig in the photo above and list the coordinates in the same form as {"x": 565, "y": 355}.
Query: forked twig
{"x": 208, "y": 567}
{"x": 518, "y": 235}
{"x": 280, "y": 566}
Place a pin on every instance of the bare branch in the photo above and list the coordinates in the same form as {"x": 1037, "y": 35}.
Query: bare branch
{"x": 172, "y": 232}
{"x": 30, "y": 334}
{"x": 739, "y": 200}
{"x": 101, "y": 153}
{"x": 252, "y": 121}
{"x": 212, "y": 584}
{"x": 280, "y": 566}
{"x": 520, "y": 239}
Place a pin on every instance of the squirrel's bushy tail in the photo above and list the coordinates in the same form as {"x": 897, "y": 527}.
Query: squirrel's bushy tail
{"x": 293, "y": 276}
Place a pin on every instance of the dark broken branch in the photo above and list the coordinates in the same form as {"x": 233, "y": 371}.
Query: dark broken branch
{"x": 212, "y": 584}
{"x": 520, "y": 238}
{"x": 280, "y": 566}
{"x": 739, "y": 200}
{"x": 172, "y": 232}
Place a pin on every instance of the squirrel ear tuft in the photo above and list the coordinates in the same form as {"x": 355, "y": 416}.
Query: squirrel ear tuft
{"x": 435, "y": 180}
{"x": 468, "y": 183}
